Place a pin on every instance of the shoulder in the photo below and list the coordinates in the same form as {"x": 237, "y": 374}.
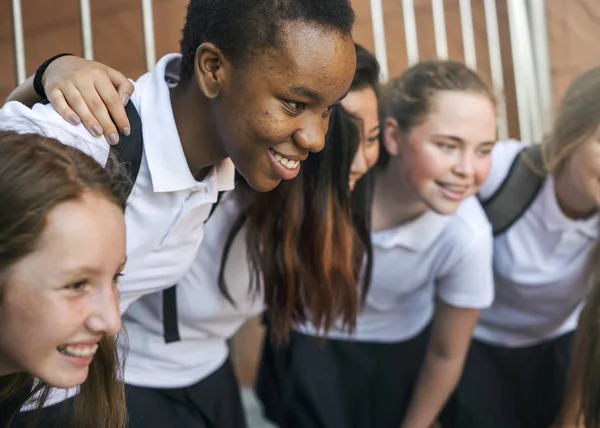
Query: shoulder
{"x": 468, "y": 222}
{"x": 42, "y": 119}
{"x": 503, "y": 155}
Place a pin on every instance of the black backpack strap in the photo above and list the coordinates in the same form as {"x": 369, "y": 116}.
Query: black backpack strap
{"x": 169, "y": 309}
{"x": 130, "y": 148}
{"x": 518, "y": 190}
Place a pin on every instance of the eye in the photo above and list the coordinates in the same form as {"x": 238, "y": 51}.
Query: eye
{"x": 485, "y": 151}
{"x": 296, "y": 107}
{"x": 77, "y": 286}
{"x": 446, "y": 147}
{"x": 374, "y": 139}
{"x": 117, "y": 277}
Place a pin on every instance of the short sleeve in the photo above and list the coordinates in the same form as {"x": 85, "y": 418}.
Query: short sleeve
{"x": 468, "y": 280}
{"x": 42, "y": 119}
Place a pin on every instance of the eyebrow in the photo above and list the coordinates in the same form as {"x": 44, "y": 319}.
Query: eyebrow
{"x": 460, "y": 140}
{"x": 303, "y": 91}
{"x": 375, "y": 128}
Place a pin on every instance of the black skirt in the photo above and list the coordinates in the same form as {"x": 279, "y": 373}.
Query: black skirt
{"x": 510, "y": 387}
{"x": 214, "y": 402}
{"x": 311, "y": 382}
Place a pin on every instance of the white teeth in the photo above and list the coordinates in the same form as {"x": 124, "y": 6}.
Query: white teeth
{"x": 288, "y": 163}
{"x": 455, "y": 189}
{"x": 78, "y": 352}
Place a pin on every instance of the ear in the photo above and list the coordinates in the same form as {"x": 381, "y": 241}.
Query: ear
{"x": 392, "y": 136}
{"x": 209, "y": 66}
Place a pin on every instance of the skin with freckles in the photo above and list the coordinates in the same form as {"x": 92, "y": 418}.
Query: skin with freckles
{"x": 64, "y": 294}
{"x": 278, "y": 102}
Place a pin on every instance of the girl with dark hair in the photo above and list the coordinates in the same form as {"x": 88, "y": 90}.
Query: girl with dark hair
{"x": 432, "y": 270}
{"x": 252, "y": 87}
{"x": 305, "y": 232}
{"x": 62, "y": 248}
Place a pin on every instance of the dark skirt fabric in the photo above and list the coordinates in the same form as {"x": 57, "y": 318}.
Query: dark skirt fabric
{"x": 311, "y": 382}
{"x": 510, "y": 387}
{"x": 214, "y": 402}
{"x": 56, "y": 416}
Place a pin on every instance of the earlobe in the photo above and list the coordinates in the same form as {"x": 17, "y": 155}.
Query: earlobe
{"x": 208, "y": 66}
{"x": 392, "y": 140}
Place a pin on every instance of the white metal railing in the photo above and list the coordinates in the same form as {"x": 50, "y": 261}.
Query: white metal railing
{"x": 528, "y": 34}
{"x": 529, "y": 44}
{"x": 17, "y": 18}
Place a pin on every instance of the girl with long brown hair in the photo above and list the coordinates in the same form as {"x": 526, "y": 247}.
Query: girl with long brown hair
{"x": 62, "y": 248}
{"x": 517, "y": 366}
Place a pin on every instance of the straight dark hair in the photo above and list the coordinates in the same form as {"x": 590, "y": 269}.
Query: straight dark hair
{"x": 308, "y": 241}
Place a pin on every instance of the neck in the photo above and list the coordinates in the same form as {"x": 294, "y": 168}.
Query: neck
{"x": 572, "y": 203}
{"x": 394, "y": 203}
{"x": 197, "y": 130}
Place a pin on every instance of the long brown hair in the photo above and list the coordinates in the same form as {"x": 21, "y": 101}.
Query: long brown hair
{"x": 583, "y": 392}
{"x": 36, "y": 174}
{"x": 308, "y": 241}
{"x": 577, "y": 118}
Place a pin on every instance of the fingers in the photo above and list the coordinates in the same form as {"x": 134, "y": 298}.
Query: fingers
{"x": 116, "y": 100}
{"x": 81, "y": 107}
{"x": 60, "y": 104}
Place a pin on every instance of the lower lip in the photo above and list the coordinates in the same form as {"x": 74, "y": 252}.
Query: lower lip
{"x": 283, "y": 172}
{"x": 454, "y": 196}
{"x": 78, "y": 361}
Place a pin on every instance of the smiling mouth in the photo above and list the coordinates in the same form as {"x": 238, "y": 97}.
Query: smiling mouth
{"x": 288, "y": 163}
{"x": 78, "y": 351}
{"x": 453, "y": 188}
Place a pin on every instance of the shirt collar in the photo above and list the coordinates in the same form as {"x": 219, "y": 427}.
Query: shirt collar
{"x": 554, "y": 220}
{"x": 416, "y": 235}
{"x": 164, "y": 153}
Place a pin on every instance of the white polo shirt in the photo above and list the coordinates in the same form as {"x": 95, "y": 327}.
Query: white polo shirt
{"x": 449, "y": 257}
{"x": 205, "y": 318}
{"x": 539, "y": 266}
{"x": 167, "y": 208}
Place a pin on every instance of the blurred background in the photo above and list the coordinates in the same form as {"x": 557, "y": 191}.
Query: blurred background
{"x": 529, "y": 50}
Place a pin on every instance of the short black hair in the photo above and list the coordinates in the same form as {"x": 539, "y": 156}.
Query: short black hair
{"x": 236, "y": 26}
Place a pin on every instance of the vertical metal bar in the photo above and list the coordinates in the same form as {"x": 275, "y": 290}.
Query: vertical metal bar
{"x": 541, "y": 55}
{"x": 493, "y": 37}
{"x": 439, "y": 28}
{"x": 520, "y": 81}
{"x": 529, "y": 70}
{"x": 17, "y": 18}
{"x": 149, "y": 45}
{"x": 468, "y": 37}
{"x": 379, "y": 39}
{"x": 410, "y": 32}
{"x": 86, "y": 29}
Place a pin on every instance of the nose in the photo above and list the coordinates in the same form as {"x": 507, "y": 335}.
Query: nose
{"x": 104, "y": 317}
{"x": 359, "y": 163}
{"x": 465, "y": 164}
{"x": 311, "y": 136}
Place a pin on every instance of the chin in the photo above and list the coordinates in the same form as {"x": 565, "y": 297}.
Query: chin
{"x": 444, "y": 208}
{"x": 263, "y": 184}
{"x": 66, "y": 379}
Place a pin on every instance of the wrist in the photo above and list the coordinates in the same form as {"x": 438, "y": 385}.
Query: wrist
{"x": 38, "y": 83}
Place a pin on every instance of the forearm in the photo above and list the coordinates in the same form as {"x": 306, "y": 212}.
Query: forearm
{"x": 24, "y": 93}
{"x": 437, "y": 381}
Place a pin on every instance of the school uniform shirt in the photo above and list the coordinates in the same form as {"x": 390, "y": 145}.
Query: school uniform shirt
{"x": 539, "y": 265}
{"x": 448, "y": 257}
{"x": 206, "y": 319}
{"x": 167, "y": 207}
